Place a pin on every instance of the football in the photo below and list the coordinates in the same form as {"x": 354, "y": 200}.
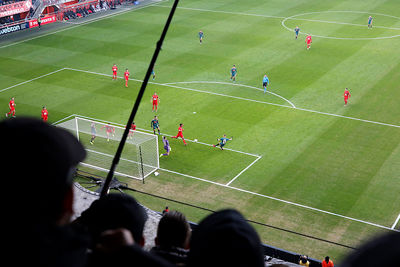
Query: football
{"x": 195, "y": 140}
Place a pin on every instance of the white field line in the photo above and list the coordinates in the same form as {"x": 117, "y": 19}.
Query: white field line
{"x": 31, "y": 80}
{"x": 224, "y": 95}
{"x": 63, "y": 119}
{"x": 106, "y": 170}
{"x": 233, "y": 179}
{"x": 395, "y": 223}
{"x": 281, "y": 200}
{"x": 343, "y": 23}
{"x": 206, "y": 92}
{"x": 300, "y": 19}
{"x": 257, "y": 194}
{"x": 290, "y": 17}
{"x": 146, "y": 130}
{"x": 183, "y": 88}
{"x": 245, "y": 169}
{"x": 241, "y": 98}
{"x": 80, "y": 24}
{"x": 225, "y": 12}
{"x": 350, "y": 118}
{"x": 128, "y": 160}
{"x": 236, "y": 84}
{"x": 233, "y": 150}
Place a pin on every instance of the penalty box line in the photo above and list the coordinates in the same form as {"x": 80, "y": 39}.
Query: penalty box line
{"x": 246, "y": 99}
{"x": 395, "y": 222}
{"x": 212, "y": 93}
{"x": 201, "y": 143}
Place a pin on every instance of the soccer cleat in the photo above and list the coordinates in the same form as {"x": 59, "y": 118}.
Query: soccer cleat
{"x": 6, "y": 115}
{"x": 161, "y": 155}
{"x": 213, "y": 145}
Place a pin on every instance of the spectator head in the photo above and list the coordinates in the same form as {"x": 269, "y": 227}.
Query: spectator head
{"x": 327, "y": 259}
{"x": 115, "y": 211}
{"x": 383, "y": 250}
{"x": 173, "y": 231}
{"x": 225, "y": 238}
{"x": 303, "y": 258}
{"x": 41, "y": 162}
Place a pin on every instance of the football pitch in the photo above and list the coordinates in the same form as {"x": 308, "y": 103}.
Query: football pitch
{"x": 300, "y": 160}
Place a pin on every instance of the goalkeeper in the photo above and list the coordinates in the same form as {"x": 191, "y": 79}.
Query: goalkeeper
{"x": 222, "y": 141}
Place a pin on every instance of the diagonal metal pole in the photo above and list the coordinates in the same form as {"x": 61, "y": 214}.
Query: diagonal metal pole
{"x": 107, "y": 182}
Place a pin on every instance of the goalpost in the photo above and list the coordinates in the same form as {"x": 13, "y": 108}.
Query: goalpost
{"x": 138, "y": 160}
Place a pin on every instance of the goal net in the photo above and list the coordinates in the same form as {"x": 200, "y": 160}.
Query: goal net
{"x": 140, "y": 155}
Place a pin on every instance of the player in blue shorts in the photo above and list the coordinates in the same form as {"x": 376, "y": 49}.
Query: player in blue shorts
{"x": 153, "y": 73}
{"x": 370, "y": 19}
{"x": 296, "y": 31}
{"x": 265, "y": 83}
{"x": 222, "y": 141}
{"x": 155, "y": 125}
{"x": 233, "y": 73}
{"x": 201, "y": 35}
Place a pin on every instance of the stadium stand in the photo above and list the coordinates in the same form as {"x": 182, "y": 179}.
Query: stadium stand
{"x": 84, "y": 197}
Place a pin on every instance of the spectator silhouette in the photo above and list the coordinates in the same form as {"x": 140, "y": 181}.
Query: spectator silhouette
{"x": 115, "y": 223}
{"x": 303, "y": 261}
{"x": 327, "y": 262}
{"x": 38, "y": 202}
{"x": 165, "y": 210}
{"x": 383, "y": 250}
{"x": 172, "y": 240}
{"x": 225, "y": 238}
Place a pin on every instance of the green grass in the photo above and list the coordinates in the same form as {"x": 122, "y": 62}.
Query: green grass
{"x": 315, "y": 159}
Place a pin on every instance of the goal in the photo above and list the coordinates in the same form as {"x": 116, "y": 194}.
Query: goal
{"x": 140, "y": 155}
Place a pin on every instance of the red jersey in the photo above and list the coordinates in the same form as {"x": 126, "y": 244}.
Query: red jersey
{"x": 308, "y": 39}
{"x": 45, "y": 114}
{"x": 11, "y": 104}
{"x": 346, "y": 94}
{"x": 126, "y": 75}
{"x": 114, "y": 68}
{"x": 155, "y": 98}
{"x": 109, "y": 129}
{"x": 180, "y": 129}
{"x": 133, "y": 127}
{"x": 327, "y": 264}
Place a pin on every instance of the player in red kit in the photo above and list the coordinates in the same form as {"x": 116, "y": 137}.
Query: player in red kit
{"x": 346, "y": 95}
{"x": 132, "y": 130}
{"x": 45, "y": 114}
{"x": 155, "y": 100}
{"x": 11, "y": 105}
{"x": 180, "y": 133}
{"x": 126, "y": 75}
{"x": 109, "y": 130}
{"x": 114, "y": 70}
{"x": 308, "y": 41}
